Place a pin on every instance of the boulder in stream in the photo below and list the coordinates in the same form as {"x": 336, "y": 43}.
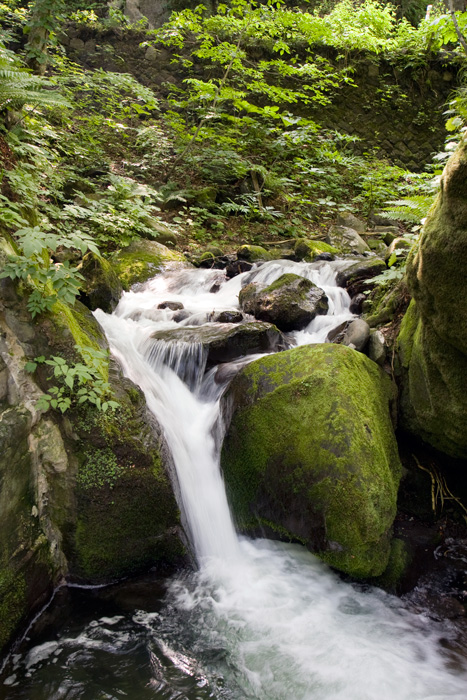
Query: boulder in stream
{"x": 291, "y": 302}
{"x": 224, "y": 342}
{"x": 311, "y": 456}
{"x": 346, "y": 240}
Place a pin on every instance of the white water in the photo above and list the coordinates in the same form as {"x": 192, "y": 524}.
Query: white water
{"x": 288, "y": 628}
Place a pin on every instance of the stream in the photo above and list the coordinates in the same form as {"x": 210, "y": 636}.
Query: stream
{"x": 258, "y": 619}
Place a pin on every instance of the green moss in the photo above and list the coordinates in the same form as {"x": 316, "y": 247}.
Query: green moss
{"x": 311, "y": 448}
{"x": 141, "y": 261}
{"x": 399, "y": 560}
{"x": 306, "y": 249}
{"x": 99, "y": 468}
{"x": 407, "y": 332}
{"x": 13, "y": 603}
{"x": 127, "y": 528}
{"x": 84, "y": 329}
{"x": 433, "y": 400}
{"x": 253, "y": 253}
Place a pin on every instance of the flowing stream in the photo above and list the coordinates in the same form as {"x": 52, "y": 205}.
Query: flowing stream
{"x": 258, "y": 620}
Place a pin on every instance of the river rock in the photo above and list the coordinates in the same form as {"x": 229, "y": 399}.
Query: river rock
{"x": 224, "y": 342}
{"x": 357, "y": 334}
{"x": 349, "y": 220}
{"x": 356, "y": 304}
{"x": 433, "y": 337}
{"x": 172, "y": 305}
{"x": 142, "y": 260}
{"x": 253, "y": 253}
{"x": 346, "y": 240}
{"x": 291, "y": 302}
{"x": 102, "y": 288}
{"x": 377, "y": 347}
{"x": 309, "y": 250}
{"x": 229, "y": 316}
{"x": 237, "y": 267}
{"x": 310, "y": 454}
{"x": 356, "y": 275}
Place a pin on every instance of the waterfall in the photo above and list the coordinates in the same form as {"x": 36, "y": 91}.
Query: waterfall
{"x": 289, "y": 627}
{"x": 258, "y": 620}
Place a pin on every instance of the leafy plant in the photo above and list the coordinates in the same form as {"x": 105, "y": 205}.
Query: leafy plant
{"x": 50, "y": 281}
{"x": 78, "y": 382}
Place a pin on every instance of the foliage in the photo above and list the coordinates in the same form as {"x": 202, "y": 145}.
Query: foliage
{"x": 78, "y": 383}
{"x": 50, "y": 281}
{"x": 100, "y": 468}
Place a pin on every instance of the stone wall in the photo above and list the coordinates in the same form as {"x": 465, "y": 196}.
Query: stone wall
{"x": 395, "y": 112}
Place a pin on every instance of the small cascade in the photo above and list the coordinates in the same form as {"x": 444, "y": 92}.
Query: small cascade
{"x": 187, "y": 360}
{"x": 259, "y": 620}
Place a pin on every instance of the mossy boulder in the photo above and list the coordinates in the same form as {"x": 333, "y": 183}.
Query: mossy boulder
{"x": 101, "y": 288}
{"x": 356, "y": 274}
{"x": 433, "y": 401}
{"x": 433, "y": 335}
{"x": 291, "y": 302}
{"x": 253, "y": 253}
{"x": 308, "y": 250}
{"x": 142, "y": 260}
{"x": 310, "y": 454}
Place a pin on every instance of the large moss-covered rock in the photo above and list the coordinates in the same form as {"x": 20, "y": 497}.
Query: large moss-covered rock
{"x": 142, "y": 260}
{"x": 84, "y": 495}
{"x": 311, "y": 455}
{"x": 433, "y": 336}
{"x": 291, "y": 302}
{"x": 434, "y": 382}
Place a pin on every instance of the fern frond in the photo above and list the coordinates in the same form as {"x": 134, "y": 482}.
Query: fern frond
{"x": 411, "y": 210}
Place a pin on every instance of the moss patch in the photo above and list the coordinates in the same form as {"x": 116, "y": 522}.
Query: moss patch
{"x": 13, "y": 603}
{"x": 142, "y": 260}
{"x": 311, "y": 448}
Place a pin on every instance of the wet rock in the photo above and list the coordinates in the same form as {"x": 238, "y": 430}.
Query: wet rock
{"x": 356, "y": 303}
{"x": 354, "y": 334}
{"x": 224, "y": 342}
{"x": 237, "y": 267}
{"x": 309, "y": 250}
{"x": 253, "y": 253}
{"x": 346, "y": 240}
{"x": 102, "y": 288}
{"x": 355, "y": 277}
{"x": 181, "y": 316}
{"x": 291, "y": 302}
{"x": 357, "y": 334}
{"x": 172, "y": 305}
{"x": 233, "y": 316}
{"x": 310, "y": 454}
{"x": 377, "y": 347}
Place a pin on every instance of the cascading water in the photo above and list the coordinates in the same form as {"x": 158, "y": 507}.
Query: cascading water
{"x": 259, "y": 619}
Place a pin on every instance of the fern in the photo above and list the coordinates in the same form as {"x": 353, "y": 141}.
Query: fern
{"x": 18, "y": 87}
{"x": 411, "y": 210}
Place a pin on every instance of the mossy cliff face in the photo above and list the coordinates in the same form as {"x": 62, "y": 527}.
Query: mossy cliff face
{"x": 311, "y": 454}
{"x": 433, "y": 336}
{"x": 85, "y": 495}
